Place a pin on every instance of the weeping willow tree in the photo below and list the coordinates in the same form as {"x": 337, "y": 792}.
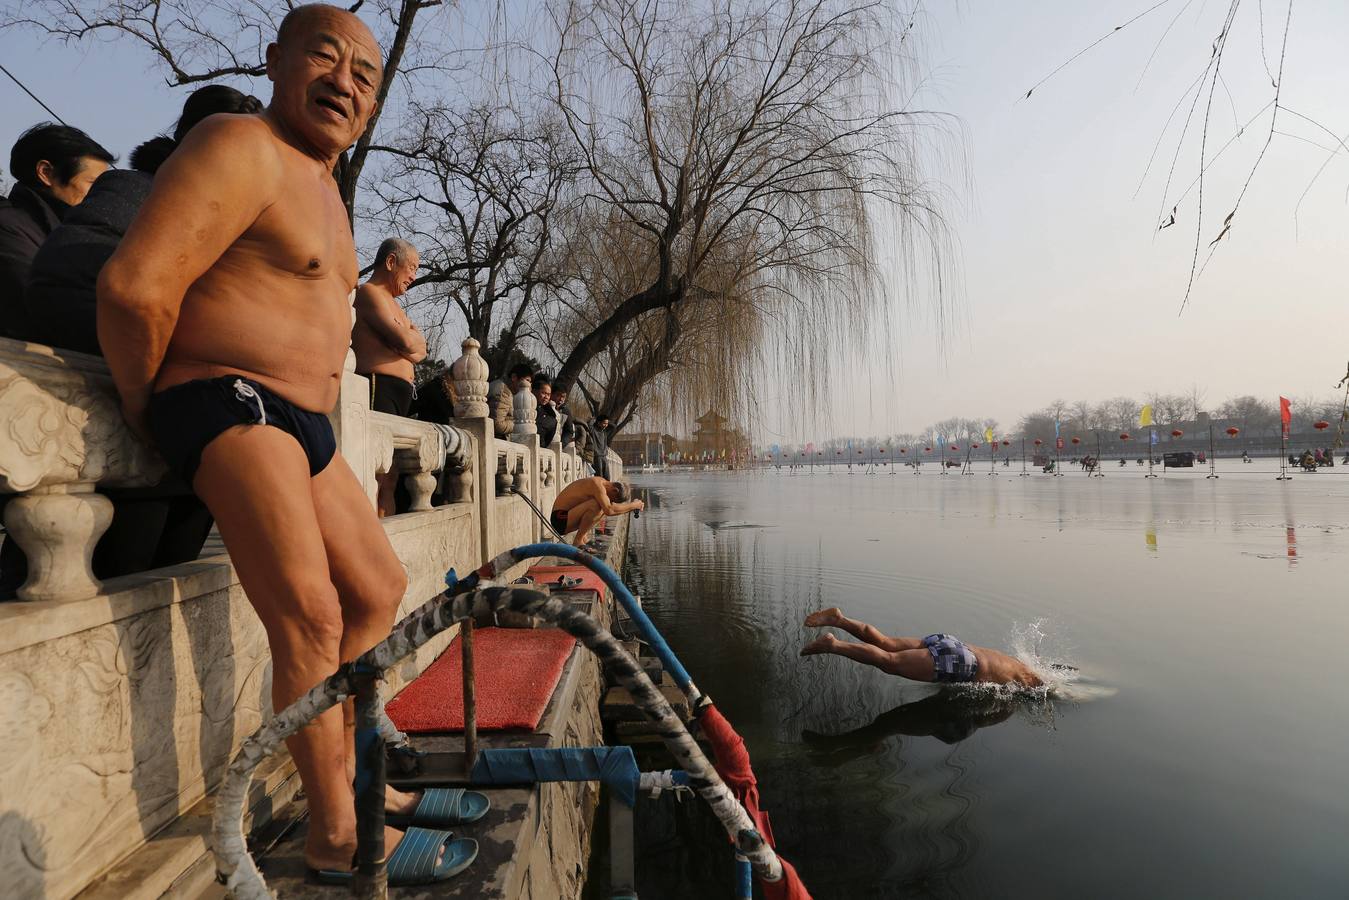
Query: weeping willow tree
{"x": 762, "y": 180}
{"x": 671, "y": 363}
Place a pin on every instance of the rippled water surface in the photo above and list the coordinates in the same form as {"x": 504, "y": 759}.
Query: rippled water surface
{"x": 1200, "y": 750}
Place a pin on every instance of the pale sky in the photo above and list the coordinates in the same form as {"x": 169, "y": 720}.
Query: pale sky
{"x": 1068, "y": 289}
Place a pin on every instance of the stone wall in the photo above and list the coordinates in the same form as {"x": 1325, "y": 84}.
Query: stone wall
{"x": 557, "y": 861}
{"x": 121, "y": 702}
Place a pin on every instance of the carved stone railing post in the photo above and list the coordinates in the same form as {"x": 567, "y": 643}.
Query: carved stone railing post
{"x": 58, "y": 528}
{"x": 524, "y": 408}
{"x": 457, "y": 477}
{"x": 469, "y": 373}
{"x": 419, "y": 470}
{"x": 462, "y": 480}
{"x": 378, "y": 454}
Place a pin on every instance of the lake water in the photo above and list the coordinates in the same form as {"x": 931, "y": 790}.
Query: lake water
{"x": 1202, "y": 750}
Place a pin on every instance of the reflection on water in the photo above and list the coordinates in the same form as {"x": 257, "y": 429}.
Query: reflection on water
{"x": 1216, "y": 769}
{"x": 949, "y": 715}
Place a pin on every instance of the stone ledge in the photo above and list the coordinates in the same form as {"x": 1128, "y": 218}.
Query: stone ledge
{"x": 123, "y": 710}
{"x": 160, "y": 864}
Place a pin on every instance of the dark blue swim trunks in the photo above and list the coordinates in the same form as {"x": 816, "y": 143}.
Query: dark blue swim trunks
{"x": 952, "y": 661}
{"x": 188, "y": 416}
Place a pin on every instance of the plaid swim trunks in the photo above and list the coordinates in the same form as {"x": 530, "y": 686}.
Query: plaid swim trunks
{"x": 952, "y": 661}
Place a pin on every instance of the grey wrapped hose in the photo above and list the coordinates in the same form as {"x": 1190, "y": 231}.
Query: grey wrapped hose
{"x": 235, "y": 867}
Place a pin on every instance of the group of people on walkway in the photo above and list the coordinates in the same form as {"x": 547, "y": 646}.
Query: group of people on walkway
{"x": 217, "y": 278}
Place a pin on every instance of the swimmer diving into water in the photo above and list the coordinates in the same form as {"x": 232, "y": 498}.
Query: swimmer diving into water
{"x": 937, "y": 657}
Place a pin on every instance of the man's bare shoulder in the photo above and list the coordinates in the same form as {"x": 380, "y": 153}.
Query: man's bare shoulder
{"x": 366, "y": 297}
{"x": 371, "y": 298}
{"x": 234, "y": 146}
{"x": 582, "y": 486}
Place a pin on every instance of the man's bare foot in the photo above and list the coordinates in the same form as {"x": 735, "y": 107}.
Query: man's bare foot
{"x": 822, "y": 644}
{"x": 401, "y": 803}
{"x": 824, "y": 618}
{"x": 337, "y": 855}
{"x": 339, "y": 858}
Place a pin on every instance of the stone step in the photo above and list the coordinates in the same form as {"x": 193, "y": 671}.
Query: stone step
{"x": 618, "y": 705}
{"x": 176, "y": 863}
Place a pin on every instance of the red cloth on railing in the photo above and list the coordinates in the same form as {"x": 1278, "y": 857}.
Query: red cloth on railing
{"x": 788, "y": 887}
{"x": 731, "y": 760}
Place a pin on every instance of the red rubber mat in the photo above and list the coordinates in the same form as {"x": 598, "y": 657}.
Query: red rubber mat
{"x": 549, "y": 574}
{"x": 516, "y": 671}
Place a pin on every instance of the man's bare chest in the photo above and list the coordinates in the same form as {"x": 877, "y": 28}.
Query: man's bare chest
{"x": 306, "y": 234}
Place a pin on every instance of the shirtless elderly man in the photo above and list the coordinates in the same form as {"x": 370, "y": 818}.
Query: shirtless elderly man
{"x": 937, "y": 657}
{"x": 586, "y": 501}
{"x": 225, "y": 311}
{"x": 386, "y": 343}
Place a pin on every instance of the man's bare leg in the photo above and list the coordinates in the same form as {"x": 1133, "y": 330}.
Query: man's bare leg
{"x": 255, "y": 481}
{"x": 581, "y": 518}
{"x": 912, "y": 664}
{"x": 833, "y": 616}
{"x": 370, "y": 582}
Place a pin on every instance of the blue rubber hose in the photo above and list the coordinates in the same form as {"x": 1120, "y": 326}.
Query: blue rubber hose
{"x": 744, "y": 879}
{"x": 614, "y": 583}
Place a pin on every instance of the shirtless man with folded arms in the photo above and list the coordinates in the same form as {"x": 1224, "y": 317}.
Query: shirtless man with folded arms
{"x": 386, "y": 343}
{"x": 225, "y": 318}
{"x": 937, "y": 657}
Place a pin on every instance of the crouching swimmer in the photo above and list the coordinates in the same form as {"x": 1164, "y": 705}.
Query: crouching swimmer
{"x": 586, "y": 502}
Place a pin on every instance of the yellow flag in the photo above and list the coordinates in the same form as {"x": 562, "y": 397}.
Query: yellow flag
{"x": 988, "y": 435}
{"x": 1145, "y": 417}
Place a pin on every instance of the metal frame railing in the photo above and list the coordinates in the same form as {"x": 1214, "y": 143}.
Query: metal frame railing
{"x": 463, "y": 602}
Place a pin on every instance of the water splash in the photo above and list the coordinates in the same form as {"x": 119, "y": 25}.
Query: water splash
{"x": 1037, "y": 645}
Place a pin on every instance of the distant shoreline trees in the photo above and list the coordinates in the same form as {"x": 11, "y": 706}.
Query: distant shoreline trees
{"x": 1257, "y": 419}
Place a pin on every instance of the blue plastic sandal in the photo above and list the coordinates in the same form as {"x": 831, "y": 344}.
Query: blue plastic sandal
{"x": 414, "y": 862}
{"x": 440, "y": 807}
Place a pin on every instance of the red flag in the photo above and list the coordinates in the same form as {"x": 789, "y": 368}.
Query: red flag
{"x": 1285, "y": 414}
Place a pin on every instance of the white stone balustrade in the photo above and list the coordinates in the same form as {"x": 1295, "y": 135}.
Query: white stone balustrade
{"x": 123, "y": 702}
{"x": 416, "y": 451}
{"x": 63, "y": 437}
{"x": 513, "y": 468}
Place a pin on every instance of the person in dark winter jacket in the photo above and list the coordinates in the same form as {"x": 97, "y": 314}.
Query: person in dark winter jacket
{"x": 566, "y": 424}
{"x": 59, "y": 297}
{"x": 54, "y": 166}
{"x": 600, "y": 432}
{"x": 545, "y": 417}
